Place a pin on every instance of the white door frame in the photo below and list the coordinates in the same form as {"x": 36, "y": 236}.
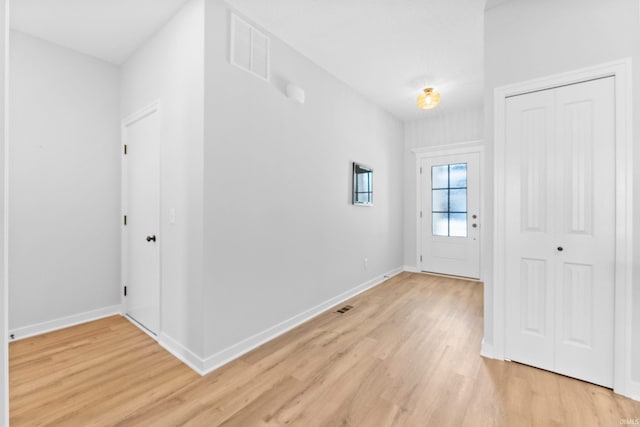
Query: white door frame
{"x": 621, "y": 70}
{"x": 460, "y": 148}
{"x": 4, "y": 170}
{"x": 139, "y": 115}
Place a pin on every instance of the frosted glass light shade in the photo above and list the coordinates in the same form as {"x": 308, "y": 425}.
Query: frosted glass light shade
{"x": 429, "y": 99}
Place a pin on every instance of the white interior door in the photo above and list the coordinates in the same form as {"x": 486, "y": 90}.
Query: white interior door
{"x": 560, "y": 229}
{"x": 142, "y": 224}
{"x": 450, "y": 215}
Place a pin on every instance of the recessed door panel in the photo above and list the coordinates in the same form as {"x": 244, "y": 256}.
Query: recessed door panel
{"x": 577, "y": 320}
{"x": 533, "y": 296}
{"x": 534, "y": 169}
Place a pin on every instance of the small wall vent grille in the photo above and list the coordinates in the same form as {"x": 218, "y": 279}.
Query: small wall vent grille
{"x": 249, "y": 48}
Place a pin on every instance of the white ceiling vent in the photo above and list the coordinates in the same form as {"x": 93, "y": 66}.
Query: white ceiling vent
{"x": 249, "y": 48}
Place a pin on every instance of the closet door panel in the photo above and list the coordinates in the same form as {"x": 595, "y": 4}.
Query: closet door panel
{"x": 585, "y": 131}
{"x": 529, "y": 171}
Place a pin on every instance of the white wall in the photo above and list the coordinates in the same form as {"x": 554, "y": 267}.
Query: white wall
{"x": 170, "y": 68}
{"x": 4, "y": 319}
{"x": 526, "y": 39}
{"x": 438, "y": 128}
{"x": 64, "y": 179}
{"x": 281, "y": 234}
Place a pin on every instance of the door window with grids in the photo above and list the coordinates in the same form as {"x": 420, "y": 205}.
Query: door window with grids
{"x": 449, "y": 200}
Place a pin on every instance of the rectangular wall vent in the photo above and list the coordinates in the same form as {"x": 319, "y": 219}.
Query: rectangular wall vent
{"x": 249, "y": 48}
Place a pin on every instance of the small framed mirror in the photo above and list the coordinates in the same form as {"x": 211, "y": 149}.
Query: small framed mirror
{"x": 362, "y": 185}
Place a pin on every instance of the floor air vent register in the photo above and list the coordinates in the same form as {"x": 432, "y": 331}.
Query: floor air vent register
{"x": 344, "y": 309}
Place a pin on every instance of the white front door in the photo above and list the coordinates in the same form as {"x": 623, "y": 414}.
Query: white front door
{"x": 142, "y": 165}
{"x": 450, "y": 215}
{"x": 560, "y": 229}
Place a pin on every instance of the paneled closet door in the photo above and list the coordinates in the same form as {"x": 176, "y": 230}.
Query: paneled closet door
{"x": 585, "y": 268}
{"x": 529, "y": 185}
{"x": 560, "y": 232}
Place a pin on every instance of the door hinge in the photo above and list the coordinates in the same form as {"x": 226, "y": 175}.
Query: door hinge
{"x": 125, "y": 220}
{"x": 420, "y": 214}
{"x": 125, "y": 291}
{"x": 420, "y": 170}
{"x": 125, "y": 149}
{"x": 420, "y": 258}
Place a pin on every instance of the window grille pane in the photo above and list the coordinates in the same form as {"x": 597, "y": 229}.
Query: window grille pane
{"x": 440, "y": 176}
{"x": 440, "y": 201}
{"x": 440, "y": 224}
{"x": 458, "y": 200}
{"x": 449, "y": 200}
{"x": 458, "y": 175}
{"x": 458, "y": 225}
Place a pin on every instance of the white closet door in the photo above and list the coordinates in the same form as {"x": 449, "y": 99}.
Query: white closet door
{"x": 529, "y": 185}
{"x": 560, "y": 231}
{"x": 585, "y": 269}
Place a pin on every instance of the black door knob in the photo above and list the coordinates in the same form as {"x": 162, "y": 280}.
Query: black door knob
{"x": 151, "y": 238}
{"x": 560, "y": 249}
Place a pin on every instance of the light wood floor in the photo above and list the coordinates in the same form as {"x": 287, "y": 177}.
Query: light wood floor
{"x": 407, "y": 354}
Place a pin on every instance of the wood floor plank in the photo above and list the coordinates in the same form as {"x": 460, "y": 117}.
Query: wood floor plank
{"x": 407, "y": 354}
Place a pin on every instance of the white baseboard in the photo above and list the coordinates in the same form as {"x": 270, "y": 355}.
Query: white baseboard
{"x": 211, "y": 363}
{"x": 182, "y": 353}
{"x": 63, "y": 322}
{"x": 139, "y": 326}
{"x": 487, "y": 350}
{"x": 176, "y": 349}
{"x": 634, "y": 390}
{"x": 225, "y": 356}
{"x": 411, "y": 269}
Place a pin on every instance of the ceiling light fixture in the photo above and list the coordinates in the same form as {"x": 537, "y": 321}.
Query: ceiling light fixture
{"x": 429, "y": 99}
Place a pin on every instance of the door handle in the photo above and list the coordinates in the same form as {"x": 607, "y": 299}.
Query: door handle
{"x": 151, "y": 238}
{"x": 560, "y": 249}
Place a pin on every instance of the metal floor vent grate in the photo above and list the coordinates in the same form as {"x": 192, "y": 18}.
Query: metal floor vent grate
{"x": 345, "y": 309}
